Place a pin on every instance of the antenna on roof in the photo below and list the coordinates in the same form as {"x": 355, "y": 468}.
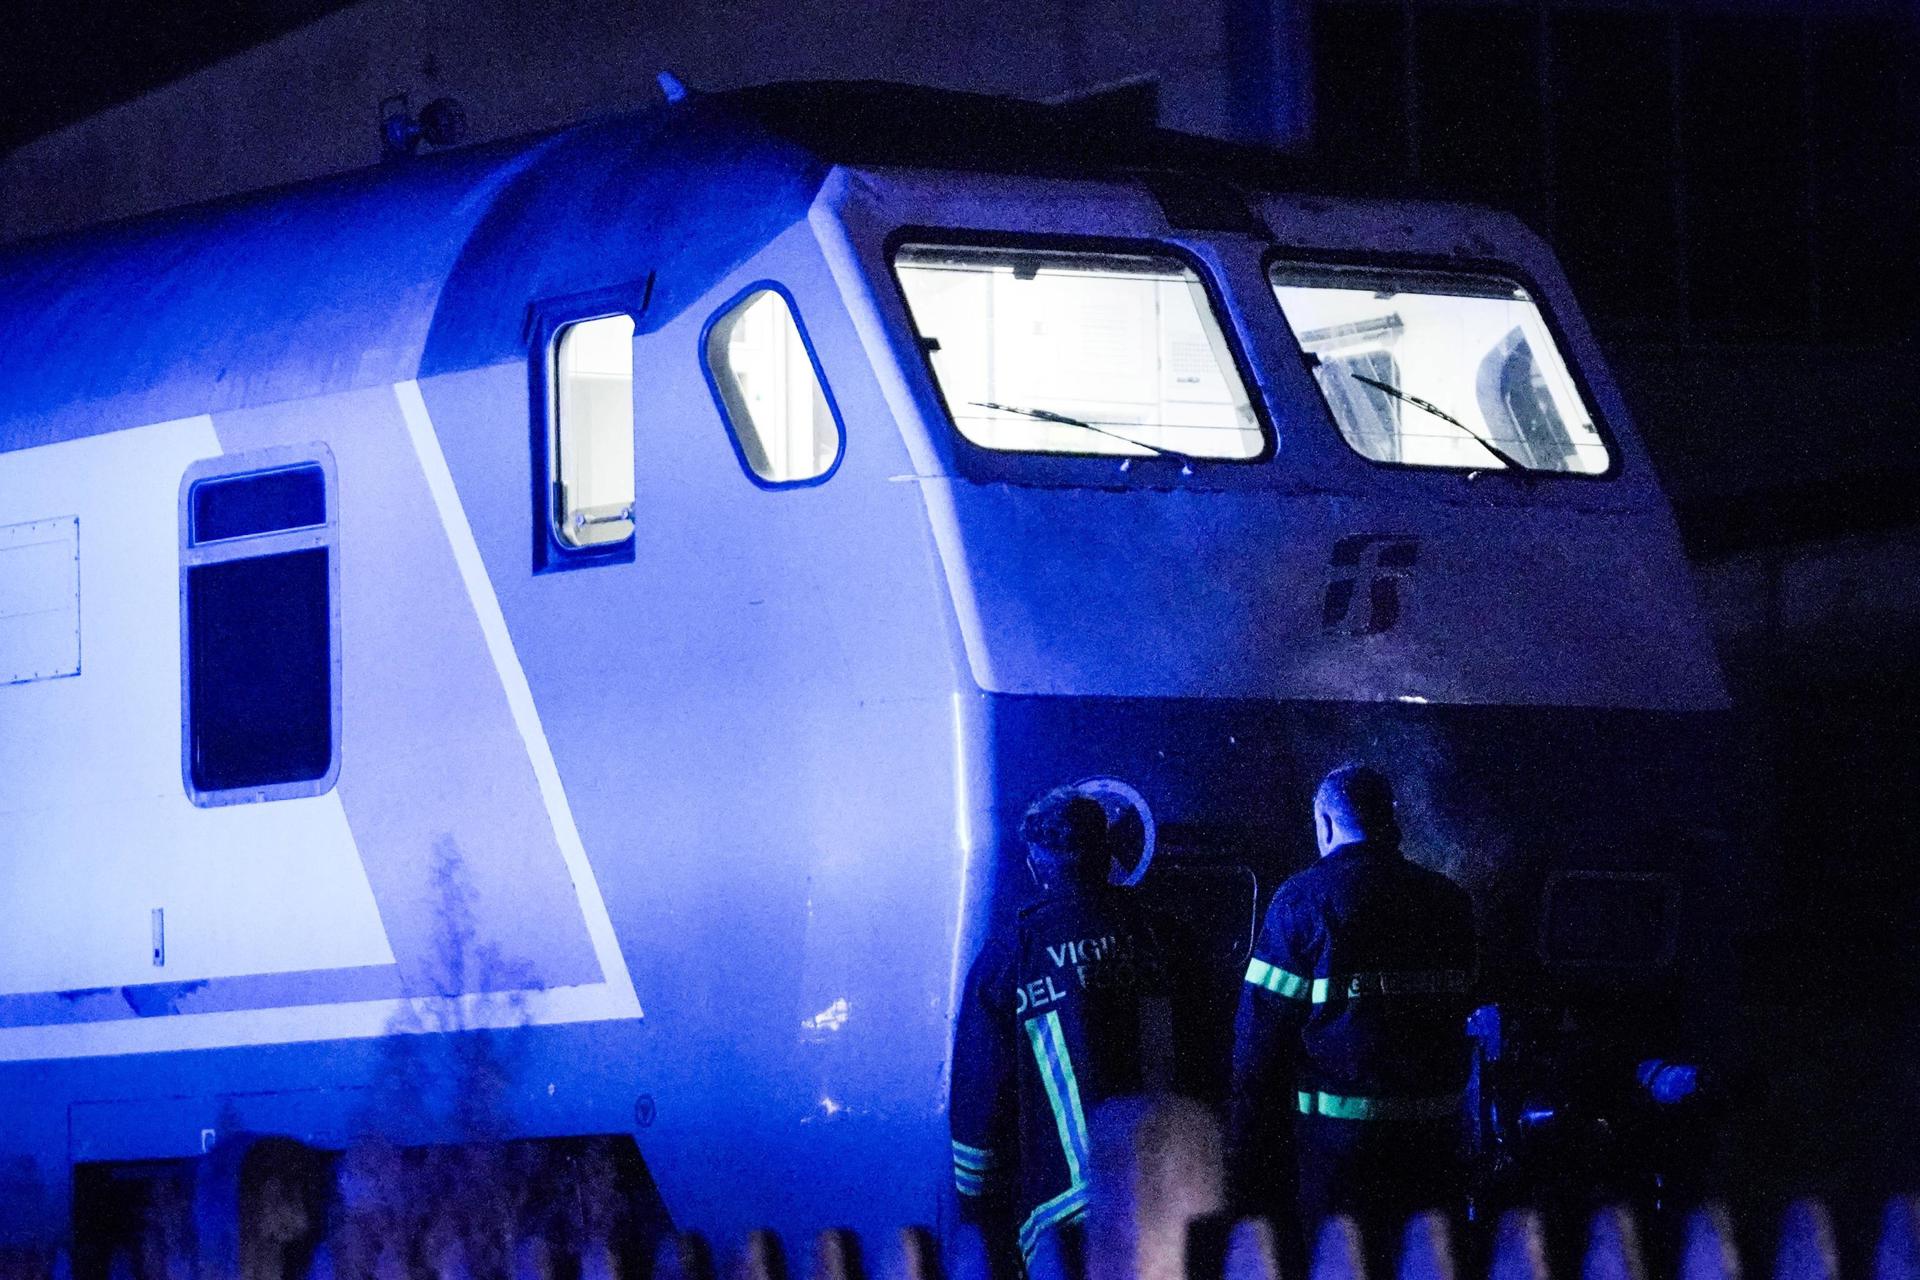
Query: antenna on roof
{"x": 672, "y": 88}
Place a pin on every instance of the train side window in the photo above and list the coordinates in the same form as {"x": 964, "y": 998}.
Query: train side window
{"x": 779, "y": 413}
{"x": 590, "y": 455}
{"x": 259, "y": 627}
{"x": 1440, "y": 369}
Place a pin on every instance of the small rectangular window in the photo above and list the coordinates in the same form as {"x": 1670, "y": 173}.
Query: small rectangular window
{"x": 1435, "y": 369}
{"x": 1053, "y": 351}
{"x": 591, "y": 432}
{"x": 260, "y": 631}
{"x": 292, "y": 499}
{"x": 771, "y": 391}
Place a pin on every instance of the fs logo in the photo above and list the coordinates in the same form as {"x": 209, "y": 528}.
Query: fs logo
{"x": 1383, "y": 562}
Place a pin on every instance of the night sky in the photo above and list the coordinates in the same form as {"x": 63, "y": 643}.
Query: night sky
{"x": 62, "y": 60}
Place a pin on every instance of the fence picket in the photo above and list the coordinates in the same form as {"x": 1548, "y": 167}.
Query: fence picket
{"x": 1519, "y": 1247}
{"x": 1157, "y": 1167}
{"x": 1807, "y": 1249}
{"x": 532, "y": 1259}
{"x": 599, "y": 1259}
{"x": 1707, "y": 1251}
{"x": 1898, "y": 1257}
{"x": 836, "y": 1255}
{"x": 1338, "y": 1255}
{"x": 1253, "y": 1251}
{"x": 1613, "y": 1248}
{"x": 392, "y": 1264}
{"x": 764, "y": 1258}
{"x": 451, "y": 1263}
{"x": 919, "y": 1255}
{"x": 1426, "y": 1248}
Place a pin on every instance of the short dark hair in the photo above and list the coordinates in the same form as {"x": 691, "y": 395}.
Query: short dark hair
{"x": 1069, "y": 828}
{"x": 1362, "y": 791}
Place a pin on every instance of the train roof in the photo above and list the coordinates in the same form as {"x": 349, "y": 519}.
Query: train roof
{"x": 425, "y": 266}
{"x": 875, "y": 123}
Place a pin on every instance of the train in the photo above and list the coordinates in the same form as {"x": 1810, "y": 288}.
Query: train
{"x": 608, "y": 597}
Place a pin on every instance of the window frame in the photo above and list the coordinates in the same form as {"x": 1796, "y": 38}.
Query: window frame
{"x": 1017, "y": 465}
{"x": 720, "y": 313}
{"x": 252, "y": 546}
{"x": 1389, "y": 263}
{"x": 545, "y": 320}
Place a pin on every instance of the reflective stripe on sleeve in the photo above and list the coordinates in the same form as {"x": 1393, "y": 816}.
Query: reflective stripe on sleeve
{"x": 975, "y": 1169}
{"x": 977, "y": 1158}
{"x": 1408, "y": 982}
{"x": 1342, "y": 1107}
{"x": 1271, "y": 977}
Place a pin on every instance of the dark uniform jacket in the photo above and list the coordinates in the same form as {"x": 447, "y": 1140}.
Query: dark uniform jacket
{"x": 1355, "y": 1001}
{"x": 1059, "y": 1014}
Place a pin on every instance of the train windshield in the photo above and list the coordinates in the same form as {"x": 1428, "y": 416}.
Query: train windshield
{"x": 1049, "y": 351}
{"x": 1435, "y": 369}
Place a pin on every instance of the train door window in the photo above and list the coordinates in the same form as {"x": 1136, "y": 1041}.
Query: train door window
{"x": 1054, "y": 351}
{"x": 1434, "y": 369}
{"x": 590, "y": 456}
{"x": 260, "y": 626}
{"x": 783, "y": 421}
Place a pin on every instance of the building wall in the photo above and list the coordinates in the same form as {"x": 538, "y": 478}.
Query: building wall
{"x": 308, "y": 103}
{"x": 1817, "y": 636}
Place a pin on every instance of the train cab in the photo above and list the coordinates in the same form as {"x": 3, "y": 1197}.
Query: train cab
{"x": 610, "y": 597}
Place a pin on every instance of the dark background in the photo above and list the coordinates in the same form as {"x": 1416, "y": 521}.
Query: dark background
{"x": 1731, "y": 190}
{"x": 61, "y": 60}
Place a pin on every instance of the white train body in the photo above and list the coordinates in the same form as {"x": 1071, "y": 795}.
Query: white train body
{"x": 701, "y": 824}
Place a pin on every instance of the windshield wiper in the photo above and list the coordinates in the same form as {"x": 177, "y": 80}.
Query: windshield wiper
{"x": 1506, "y": 459}
{"x": 1048, "y": 415}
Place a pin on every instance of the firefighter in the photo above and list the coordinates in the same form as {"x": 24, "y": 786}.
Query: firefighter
{"x": 1062, "y": 1011}
{"x": 1350, "y": 1049}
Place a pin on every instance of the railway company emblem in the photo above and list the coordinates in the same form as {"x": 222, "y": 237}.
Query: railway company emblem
{"x": 1368, "y": 575}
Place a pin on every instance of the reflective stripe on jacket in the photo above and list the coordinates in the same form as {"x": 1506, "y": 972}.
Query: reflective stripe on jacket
{"x": 1356, "y": 995}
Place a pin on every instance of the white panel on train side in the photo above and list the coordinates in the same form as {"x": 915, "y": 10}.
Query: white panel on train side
{"x": 96, "y": 831}
{"x": 297, "y": 919}
{"x": 614, "y": 996}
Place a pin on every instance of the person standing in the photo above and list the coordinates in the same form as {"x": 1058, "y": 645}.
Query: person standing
{"x": 1060, "y": 1012}
{"x": 1350, "y": 1049}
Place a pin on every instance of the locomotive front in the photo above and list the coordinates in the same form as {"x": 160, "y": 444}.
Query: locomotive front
{"x": 1225, "y": 501}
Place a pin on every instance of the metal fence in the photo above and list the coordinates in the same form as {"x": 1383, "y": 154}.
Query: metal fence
{"x": 1805, "y": 1250}
{"x": 1157, "y": 1212}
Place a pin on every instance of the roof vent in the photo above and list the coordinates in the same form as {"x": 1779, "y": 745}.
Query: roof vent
{"x": 441, "y": 123}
